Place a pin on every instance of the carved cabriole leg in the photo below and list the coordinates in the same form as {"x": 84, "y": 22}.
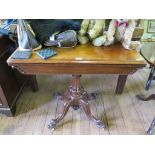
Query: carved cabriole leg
{"x": 75, "y": 97}
{"x": 86, "y": 108}
{"x": 53, "y": 122}
{"x": 151, "y": 128}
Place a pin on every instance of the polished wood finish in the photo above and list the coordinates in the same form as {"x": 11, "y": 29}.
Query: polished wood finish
{"x": 83, "y": 59}
{"x": 86, "y": 54}
{"x": 121, "y": 83}
{"x": 76, "y": 97}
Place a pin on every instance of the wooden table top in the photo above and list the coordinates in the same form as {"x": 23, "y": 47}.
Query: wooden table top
{"x": 89, "y": 54}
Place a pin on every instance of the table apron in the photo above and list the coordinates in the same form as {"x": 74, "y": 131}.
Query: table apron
{"x": 76, "y": 68}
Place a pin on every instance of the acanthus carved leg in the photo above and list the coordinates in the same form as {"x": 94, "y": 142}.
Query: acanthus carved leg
{"x": 86, "y": 108}
{"x": 75, "y": 97}
{"x": 53, "y": 122}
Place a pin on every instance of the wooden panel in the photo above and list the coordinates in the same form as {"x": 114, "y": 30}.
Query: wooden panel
{"x": 11, "y": 81}
{"x": 8, "y": 81}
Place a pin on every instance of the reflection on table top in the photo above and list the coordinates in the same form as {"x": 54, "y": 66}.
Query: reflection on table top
{"x": 114, "y": 54}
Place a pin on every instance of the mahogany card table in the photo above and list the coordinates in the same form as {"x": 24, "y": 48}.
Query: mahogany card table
{"x": 82, "y": 59}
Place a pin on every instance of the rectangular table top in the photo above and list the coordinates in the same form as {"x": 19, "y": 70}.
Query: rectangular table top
{"x": 89, "y": 54}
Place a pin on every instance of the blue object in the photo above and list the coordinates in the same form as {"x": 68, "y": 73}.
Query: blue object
{"x": 8, "y": 21}
{"x": 21, "y": 55}
{"x": 4, "y": 32}
{"x": 46, "y": 53}
{"x": 5, "y": 29}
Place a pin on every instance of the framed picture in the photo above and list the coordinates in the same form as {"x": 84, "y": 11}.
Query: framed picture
{"x": 151, "y": 26}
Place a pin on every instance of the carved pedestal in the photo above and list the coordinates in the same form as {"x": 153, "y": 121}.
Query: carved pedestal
{"x": 75, "y": 97}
